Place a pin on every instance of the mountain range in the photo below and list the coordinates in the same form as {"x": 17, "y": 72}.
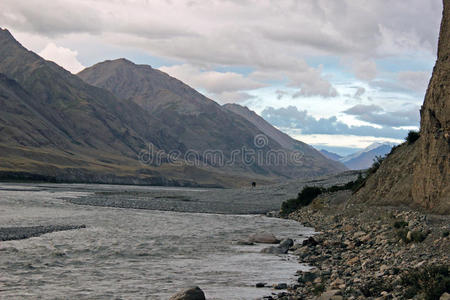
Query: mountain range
{"x": 97, "y": 126}
{"x": 361, "y": 159}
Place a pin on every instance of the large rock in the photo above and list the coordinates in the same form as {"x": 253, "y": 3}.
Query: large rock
{"x": 282, "y": 248}
{"x": 419, "y": 174}
{"x": 264, "y": 238}
{"x": 194, "y": 293}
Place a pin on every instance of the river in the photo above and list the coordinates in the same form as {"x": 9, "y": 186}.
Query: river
{"x": 133, "y": 253}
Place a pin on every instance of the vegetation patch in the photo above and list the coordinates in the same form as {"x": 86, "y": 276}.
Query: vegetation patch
{"x": 412, "y": 137}
{"x": 374, "y": 288}
{"x": 400, "y": 224}
{"x": 411, "y": 236}
{"x": 429, "y": 282}
{"x": 309, "y": 193}
{"x": 304, "y": 198}
{"x": 318, "y": 289}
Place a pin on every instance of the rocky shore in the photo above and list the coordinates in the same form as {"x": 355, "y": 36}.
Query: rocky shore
{"x": 370, "y": 252}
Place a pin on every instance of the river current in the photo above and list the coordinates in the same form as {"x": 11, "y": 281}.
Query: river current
{"x": 133, "y": 254}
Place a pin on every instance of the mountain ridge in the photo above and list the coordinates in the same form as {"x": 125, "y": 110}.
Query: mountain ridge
{"x": 190, "y": 113}
{"x": 88, "y": 134}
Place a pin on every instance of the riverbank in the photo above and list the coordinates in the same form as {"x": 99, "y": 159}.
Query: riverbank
{"x": 370, "y": 252}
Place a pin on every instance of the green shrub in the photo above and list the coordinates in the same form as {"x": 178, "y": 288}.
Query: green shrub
{"x": 351, "y": 185}
{"x": 318, "y": 289}
{"x": 416, "y": 236}
{"x": 375, "y": 287}
{"x": 400, "y": 224}
{"x": 412, "y": 137}
{"x": 430, "y": 282}
{"x": 401, "y": 234}
{"x": 377, "y": 161}
{"x": 304, "y": 198}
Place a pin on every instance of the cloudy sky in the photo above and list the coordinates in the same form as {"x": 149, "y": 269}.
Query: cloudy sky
{"x": 338, "y": 74}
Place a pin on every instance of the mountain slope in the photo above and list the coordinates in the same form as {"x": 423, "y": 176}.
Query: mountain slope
{"x": 58, "y": 127}
{"x": 330, "y": 155}
{"x": 198, "y": 122}
{"x": 418, "y": 174}
{"x": 364, "y": 159}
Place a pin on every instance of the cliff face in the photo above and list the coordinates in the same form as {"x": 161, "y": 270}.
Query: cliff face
{"x": 419, "y": 174}
{"x": 431, "y": 188}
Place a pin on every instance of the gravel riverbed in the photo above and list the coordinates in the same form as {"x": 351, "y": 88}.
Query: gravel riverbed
{"x": 370, "y": 253}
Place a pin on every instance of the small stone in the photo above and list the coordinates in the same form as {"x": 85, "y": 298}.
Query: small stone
{"x": 409, "y": 236}
{"x": 260, "y": 285}
{"x": 445, "y": 296}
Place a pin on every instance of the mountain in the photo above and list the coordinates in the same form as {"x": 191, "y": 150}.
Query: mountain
{"x": 59, "y": 127}
{"x": 55, "y": 126}
{"x": 418, "y": 172}
{"x": 364, "y": 158}
{"x": 200, "y": 123}
{"x": 330, "y": 155}
{"x": 280, "y": 137}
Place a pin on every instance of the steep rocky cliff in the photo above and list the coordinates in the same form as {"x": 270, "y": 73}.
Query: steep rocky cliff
{"x": 419, "y": 174}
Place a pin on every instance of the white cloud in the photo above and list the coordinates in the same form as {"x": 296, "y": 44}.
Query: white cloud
{"x": 365, "y": 69}
{"x": 64, "y": 57}
{"x": 414, "y": 80}
{"x": 329, "y": 140}
{"x": 249, "y": 32}
{"x": 212, "y": 81}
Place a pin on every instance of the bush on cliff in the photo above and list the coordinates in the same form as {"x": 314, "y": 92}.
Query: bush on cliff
{"x": 412, "y": 137}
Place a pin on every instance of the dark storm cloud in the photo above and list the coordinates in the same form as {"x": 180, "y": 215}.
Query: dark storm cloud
{"x": 291, "y": 117}
{"x": 409, "y": 116}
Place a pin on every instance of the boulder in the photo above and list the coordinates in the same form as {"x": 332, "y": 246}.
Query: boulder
{"x": 282, "y": 248}
{"x": 193, "y": 293}
{"x": 286, "y": 243}
{"x": 273, "y": 250}
{"x": 280, "y": 286}
{"x": 264, "y": 238}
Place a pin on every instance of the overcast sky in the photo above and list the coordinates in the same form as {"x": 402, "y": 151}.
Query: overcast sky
{"x": 338, "y": 74}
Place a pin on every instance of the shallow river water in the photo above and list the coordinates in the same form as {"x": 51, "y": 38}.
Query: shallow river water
{"x": 133, "y": 254}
